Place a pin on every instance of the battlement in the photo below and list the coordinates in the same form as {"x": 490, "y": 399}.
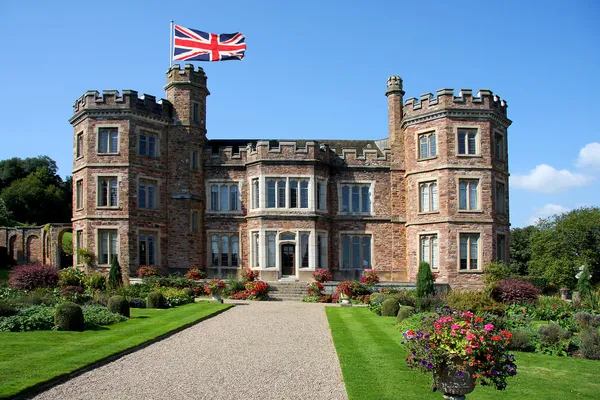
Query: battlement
{"x": 188, "y": 75}
{"x": 127, "y": 100}
{"x": 446, "y": 99}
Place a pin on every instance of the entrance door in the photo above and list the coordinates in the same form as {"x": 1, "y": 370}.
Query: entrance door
{"x": 288, "y": 252}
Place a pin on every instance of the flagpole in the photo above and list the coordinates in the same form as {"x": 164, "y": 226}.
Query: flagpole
{"x": 171, "y": 45}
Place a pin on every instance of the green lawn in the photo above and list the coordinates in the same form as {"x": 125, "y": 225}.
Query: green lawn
{"x": 372, "y": 359}
{"x": 30, "y": 358}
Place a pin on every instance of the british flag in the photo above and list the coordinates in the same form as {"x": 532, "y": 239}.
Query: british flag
{"x": 193, "y": 45}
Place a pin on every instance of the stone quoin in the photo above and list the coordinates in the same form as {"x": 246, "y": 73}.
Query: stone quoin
{"x": 150, "y": 188}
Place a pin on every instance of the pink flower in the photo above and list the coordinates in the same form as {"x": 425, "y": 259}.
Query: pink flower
{"x": 467, "y": 314}
{"x": 455, "y": 327}
{"x": 470, "y": 336}
{"x": 488, "y": 327}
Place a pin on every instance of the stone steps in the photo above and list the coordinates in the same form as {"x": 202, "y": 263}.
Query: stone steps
{"x": 287, "y": 291}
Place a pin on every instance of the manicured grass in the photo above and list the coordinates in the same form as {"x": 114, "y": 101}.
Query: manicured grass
{"x": 30, "y": 358}
{"x": 372, "y": 358}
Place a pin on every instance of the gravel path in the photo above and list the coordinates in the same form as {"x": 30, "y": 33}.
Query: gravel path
{"x": 256, "y": 350}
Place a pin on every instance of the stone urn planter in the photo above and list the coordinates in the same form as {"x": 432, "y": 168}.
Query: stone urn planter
{"x": 564, "y": 293}
{"x": 216, "y": 296}
{"x": 345, "y": 300}
{"x": 451, "y": 384}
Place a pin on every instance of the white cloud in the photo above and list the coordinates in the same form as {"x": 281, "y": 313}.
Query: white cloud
{"x": 589, "y": 156}
{"x": 546, "y": 211}
{"x": 547, "y": 179}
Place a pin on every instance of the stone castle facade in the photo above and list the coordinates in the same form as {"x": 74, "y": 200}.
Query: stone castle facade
{"x": 151, "y": 189}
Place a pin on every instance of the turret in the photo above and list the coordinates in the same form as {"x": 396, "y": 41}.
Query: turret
{"x": 394, "y": 95}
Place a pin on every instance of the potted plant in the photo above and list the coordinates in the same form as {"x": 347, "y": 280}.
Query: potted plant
{"x": 460, "y": 350}
{"x": 315, "y": 289}
{"x": 369, "y": 277}
{"x": 195, "y": 274}
{"x": 345, "y": 290}
{"x": 321, "y": 275}
{"x": 214, "y": 288}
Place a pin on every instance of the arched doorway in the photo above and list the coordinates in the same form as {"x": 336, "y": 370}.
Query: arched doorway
{"x": 65, "y": 248}
{"x": 288, "y": 259}
{"x": 12, "y": 248}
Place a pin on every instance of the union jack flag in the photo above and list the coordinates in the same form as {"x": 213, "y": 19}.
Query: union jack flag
{"x": 193, "y": 45}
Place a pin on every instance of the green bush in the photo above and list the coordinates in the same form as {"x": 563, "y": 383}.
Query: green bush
{"x": 155, "y": 300}
{"x": 119, "y": 305}
{"x": 494, "y": 273}
{"x": 233, "y": 286}
{"x": 430, "y": 303}
{"x": 404, "y": 312}
{"x": 100, "y": 316}
{"x": 70, "y": 277}
{"x": 100, "y": 298}
{"x": 115, "y": 277}
{"x": 188, "y": 291}
{"x": 425, "y": 280}
{"x": 69, "y": 317}
{"x": 554, "y": 340}
{"x": 390, "y": 308}
{"x": 589, "y": 344}
{"x": 39, "y": 296}
{"x": 413, "y": 322}
{"x": 175, "y": 297}
{"x": 475, "y": 302}
{"x": 7, "y": 309}
{"x": 524, "y": 339}
{"x": 36, "y": 318}
{"x": 548, "y": 308}
{"x": 586, "y": 320}
{"x": 95, "y": 281}
{"x": 138, "y": 290}
{"x": 375, "y": 302}
{"x": 310, "y": 299}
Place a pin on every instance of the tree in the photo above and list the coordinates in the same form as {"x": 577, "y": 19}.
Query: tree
{"x": 520, "y": 249}
{"x": 115, "y": 277}
{"x": 5, "y": 214}
{"x": 17, "y": 168}
{"x": 564, "y": 242}
{"x": 425, "y": 281}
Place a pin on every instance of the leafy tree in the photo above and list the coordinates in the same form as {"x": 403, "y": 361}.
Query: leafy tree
{"x": 5, "y": 214}
{"x": 520, "y": 249}
{"x": 17, "y": 168}
{"x": 563, "y": 243}
{"x": 115, "y": 277}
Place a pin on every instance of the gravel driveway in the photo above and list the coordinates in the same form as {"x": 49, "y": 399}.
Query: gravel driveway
{"x": 256, "y": 350}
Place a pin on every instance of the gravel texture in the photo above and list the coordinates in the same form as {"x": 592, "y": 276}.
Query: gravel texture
{"x": 256, "y": 350}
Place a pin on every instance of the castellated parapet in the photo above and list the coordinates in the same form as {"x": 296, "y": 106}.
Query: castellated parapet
{"x": 129, "y": 100}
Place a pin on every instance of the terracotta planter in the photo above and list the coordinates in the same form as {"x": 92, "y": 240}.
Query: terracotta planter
{"x": 451, "y": 384}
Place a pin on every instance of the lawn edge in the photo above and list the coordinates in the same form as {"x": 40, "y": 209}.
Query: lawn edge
{"x": 45, "y": 385}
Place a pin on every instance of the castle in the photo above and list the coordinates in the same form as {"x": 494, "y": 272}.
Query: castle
{"x": 151, "y": 189}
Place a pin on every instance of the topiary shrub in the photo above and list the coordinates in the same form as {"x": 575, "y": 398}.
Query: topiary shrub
{"x": 115, "y": 277}
{"x": 155, "y": 300}
{"x": 404, "y": 312}
{"x": 589, "y": 344}
{"x": 29, "y": 277}
{"x": 136, "y": 302}
{"x": 512, "y": 291}
{"x": 119, "y": 305}
{"x": 69, "y": 317}
{"x": 389, "y": 308}
{"x": 425, "y": 280}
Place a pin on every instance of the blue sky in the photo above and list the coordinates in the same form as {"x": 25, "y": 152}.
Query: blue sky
{"x": 317, "y": 69}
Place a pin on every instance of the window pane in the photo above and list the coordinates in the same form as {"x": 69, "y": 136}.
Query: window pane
{"x": 473, "y": 251}
{"x": 432, "y": 146}
{"x": 142, "y": 145}
{"x": 322, "y": 196}
{"x": 151, "y": 251}
{"x": 151, "y": 193}
{"x": 225, "y": 251}
{"x": 255, "y": 197}
{"x": 425, "y": 248}
{"x": 434, "y": 197}
{"x": 473, "y": 196}
{"x": 214, "y": 198}
{"x": 462, "y": 138}
{"x": 304, "y": 249}
{"x": 294, "y": 194}
{"x": 270, "y": 250}
{"x": 323, "y": 254}
{"x": 271, "y": 194}
{"x": 499, "y": 197}
{"x": 224, "y": 203}
{"x": 423, "y": 147}
{"x": 214, "y": 244}
{"x": 434, "y": 252}
{"x": 346, "y": 251}
{"x": 281, "y": 194}
{"x": 113, "y": 192}
{"x": 366, "y": 252}
{"x": 103, "y": 141}
{"x": 104, "y": 247}
{"x": 425, "y": 197}
{"x": 462, "y": 196}
{"x": 355, "y": 199}
{"x": 235, "y": 251}
{"x": 152, "y": 146}
{"x": 303, "y": 194}
{"x": 114, "y": 136}
{"x": 356, "y": 261}
{"x": 113, "y": 245}
{"x": 463, "y": 252}
{"x": 319, "y": 252}
{"x": 366, "y": 201}
{"x": 256, "y": 250}
{"x": 288, "y": 236}
{"x": 472, "y": 143}
{"x": 142, "y": 195}
{"x": 345, "y": 199}
{"x": 233, "y": 201}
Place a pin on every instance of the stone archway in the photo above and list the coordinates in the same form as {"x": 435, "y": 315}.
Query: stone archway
{"x": 33, "y": 249}
{"x": 12, "y": 248}
{"x": 65, "y": 249}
